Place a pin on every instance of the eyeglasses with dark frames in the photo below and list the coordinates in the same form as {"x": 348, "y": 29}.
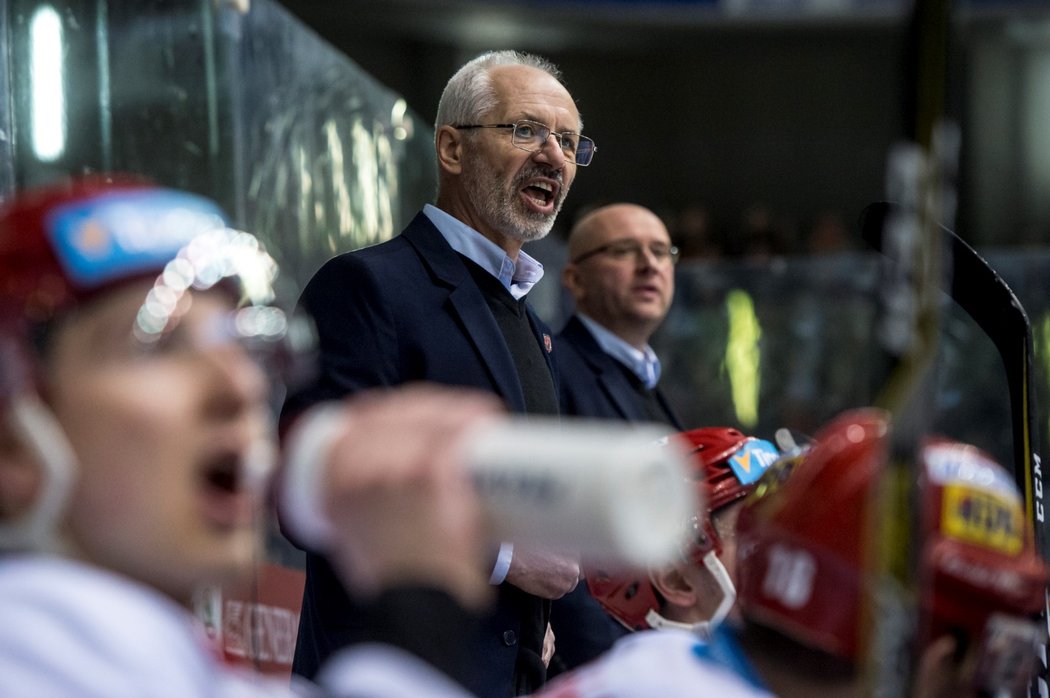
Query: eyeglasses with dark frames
{"x": 531, "y": 136}
{"x": 622, "y": 249}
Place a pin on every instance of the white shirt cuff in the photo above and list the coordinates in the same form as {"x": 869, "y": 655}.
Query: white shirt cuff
{"x": 502, "y": 567}
{"x": 299, "y": 494}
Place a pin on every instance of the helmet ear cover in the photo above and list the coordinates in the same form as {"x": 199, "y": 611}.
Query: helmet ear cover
{"x": 726, "y": 465}
{"x": 16, "y": 364}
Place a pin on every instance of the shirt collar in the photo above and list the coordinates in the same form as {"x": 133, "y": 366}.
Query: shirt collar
{"x": 517, "y": 278}
{"x": 644, "y": 364}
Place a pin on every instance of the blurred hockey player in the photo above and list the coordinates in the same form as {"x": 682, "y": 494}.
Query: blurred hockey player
{"x": 804, "y": 581}
{"x": 138, "y": 342}
{"x": 687, "y": 599}
{"x": 805, "y": 568}
{"x": 696, "y": 593}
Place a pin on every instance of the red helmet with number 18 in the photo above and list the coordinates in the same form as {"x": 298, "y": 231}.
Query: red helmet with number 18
{"x": 804, "y": 561}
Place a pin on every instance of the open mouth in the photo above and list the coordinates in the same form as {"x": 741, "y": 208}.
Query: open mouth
{"x": 226, "y": 499}
{"x": 541, "y": 194}
{"x": 223, "y": 473}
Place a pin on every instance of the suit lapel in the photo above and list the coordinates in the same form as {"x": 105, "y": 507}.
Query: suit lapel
{"x": 620, "y": 391}
{"x": 667, "y": 408}
{"x": 608, "y": 373}
{"x": 468, "y": 305}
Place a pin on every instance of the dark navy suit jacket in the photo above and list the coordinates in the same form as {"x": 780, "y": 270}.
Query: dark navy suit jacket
{"x": 593, "y": 384}
{"x": 409, "y": 310}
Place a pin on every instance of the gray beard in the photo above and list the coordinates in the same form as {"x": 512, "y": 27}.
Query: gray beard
{"x": 503, "y": 210}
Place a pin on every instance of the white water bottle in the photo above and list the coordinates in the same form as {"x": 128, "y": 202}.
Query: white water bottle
{"x": 608, "y": 491}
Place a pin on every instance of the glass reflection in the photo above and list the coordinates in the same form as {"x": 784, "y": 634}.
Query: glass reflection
{"x": 47, "y": 75}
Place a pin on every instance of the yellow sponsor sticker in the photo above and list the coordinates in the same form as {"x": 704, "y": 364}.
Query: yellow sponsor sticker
{"x": 982, "y": 518}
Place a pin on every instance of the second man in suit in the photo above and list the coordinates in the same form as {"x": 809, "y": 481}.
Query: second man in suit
{"x": 621, "y": 277}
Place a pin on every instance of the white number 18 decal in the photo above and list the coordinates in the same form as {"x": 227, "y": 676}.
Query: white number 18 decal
{"x": 789, "y": 576}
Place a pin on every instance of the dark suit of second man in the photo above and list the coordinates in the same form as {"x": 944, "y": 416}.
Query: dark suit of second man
{"x": 621, "y": 277}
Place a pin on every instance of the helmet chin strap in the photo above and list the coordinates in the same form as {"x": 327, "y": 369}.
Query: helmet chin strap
{"x": 704, "y": 628}
{"x": 40, "y": 431}
{"x": 658, "y": 622}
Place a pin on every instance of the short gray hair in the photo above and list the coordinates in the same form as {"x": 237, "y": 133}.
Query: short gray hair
{"x": 468, "y": 96}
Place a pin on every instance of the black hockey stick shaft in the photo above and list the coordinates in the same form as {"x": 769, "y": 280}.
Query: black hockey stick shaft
{"x": 920, "y": 176}
{"x": 986, "y": 297}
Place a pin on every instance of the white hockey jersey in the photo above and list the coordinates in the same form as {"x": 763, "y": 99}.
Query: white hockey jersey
{"x": 69, "y": 629}
{"x": 669, "y": 663}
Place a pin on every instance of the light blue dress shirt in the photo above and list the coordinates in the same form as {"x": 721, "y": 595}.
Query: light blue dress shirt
{"x": 517, "y": 278}
{"x": 644, "y": 364}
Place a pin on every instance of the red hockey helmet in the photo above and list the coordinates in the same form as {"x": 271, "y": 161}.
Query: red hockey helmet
{"x": 800, "y": 557}
{"x": 802, "y": 564}
{"x": 726, "y": 466}
{"x": 982, "y": 578}
{"x": 62, "y": 244}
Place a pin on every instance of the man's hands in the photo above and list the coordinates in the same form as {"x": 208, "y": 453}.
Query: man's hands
{"x": 548, "y": 646}
{"x": 543, "y": 574}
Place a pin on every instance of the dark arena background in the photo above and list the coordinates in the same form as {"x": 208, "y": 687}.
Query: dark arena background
{"x": 758, "y": 129}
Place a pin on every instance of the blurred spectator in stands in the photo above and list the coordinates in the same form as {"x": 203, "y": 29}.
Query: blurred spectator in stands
{"x": 828, "y": 234}
{"x": 763, "y": 236}
{"x": 692, "y": 232}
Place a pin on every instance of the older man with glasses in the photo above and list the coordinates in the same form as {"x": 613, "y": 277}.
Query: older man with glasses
{"x": 621, "y": 277}
{"x": 444, "y": 302}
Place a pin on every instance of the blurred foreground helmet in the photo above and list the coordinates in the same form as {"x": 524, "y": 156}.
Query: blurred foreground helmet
{"x": 983, "y": 581}
{"x": 800, "y": 556}
{"x": 62, "y": 245}
{"x": 726, "y": 466}
{"x": 802, "y": 543}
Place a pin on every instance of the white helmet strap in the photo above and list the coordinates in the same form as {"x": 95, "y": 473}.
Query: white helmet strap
{"x": 658, "y": 622}
{"x": 40, "y": 431}
{"x": 721, "y": 575}
{"x": 706, "y": 627}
